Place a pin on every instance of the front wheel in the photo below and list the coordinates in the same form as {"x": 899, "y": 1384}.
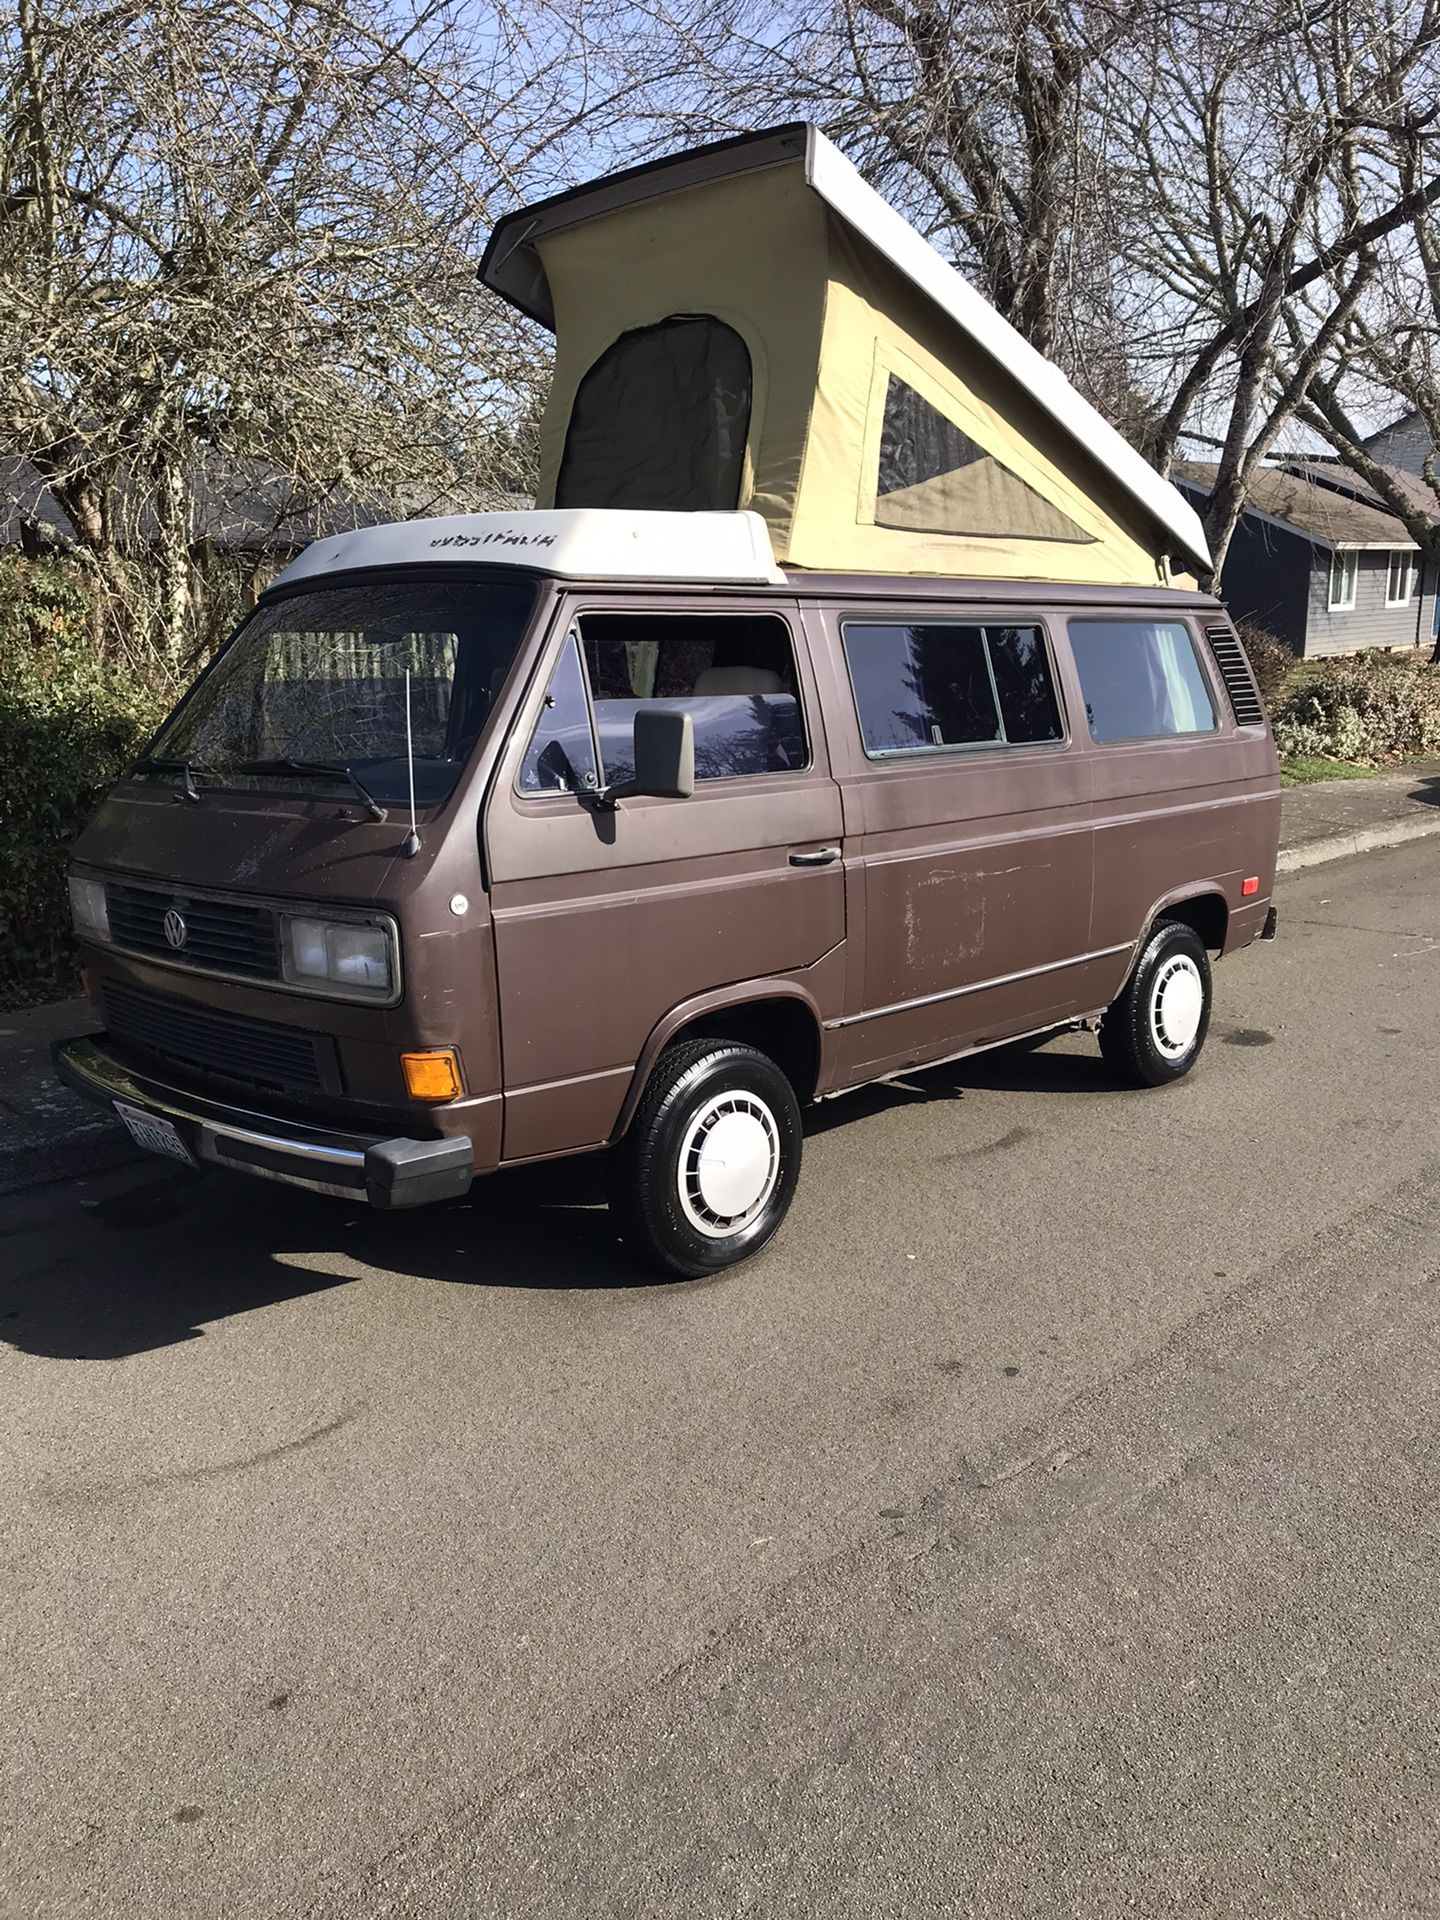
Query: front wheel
{"x": 708, "y": 1169}
{"x": 1154, "y": 1032}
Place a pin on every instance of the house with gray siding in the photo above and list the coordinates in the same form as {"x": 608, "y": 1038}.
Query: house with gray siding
{"x": 1322, "y": 568}
{"x": 1407, "y": 443}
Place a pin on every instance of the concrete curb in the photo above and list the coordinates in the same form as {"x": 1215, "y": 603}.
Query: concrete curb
{"x": 1336, "y": 846}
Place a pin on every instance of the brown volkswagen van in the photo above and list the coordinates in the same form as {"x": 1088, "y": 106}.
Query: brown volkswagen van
{"x": 494, "y": 839}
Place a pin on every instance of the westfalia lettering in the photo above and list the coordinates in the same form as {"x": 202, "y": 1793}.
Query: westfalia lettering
{"x": 505, "y": 536}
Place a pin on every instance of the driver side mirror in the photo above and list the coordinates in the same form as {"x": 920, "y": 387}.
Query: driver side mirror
{"x": 664, "y": 754}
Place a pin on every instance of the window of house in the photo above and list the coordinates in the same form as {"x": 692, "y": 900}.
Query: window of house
{"x": 1342, "y": 580}
{"x": 934, "y": 478}
{"x": 733, "y": 673}
{"x": 1140, "y": 678}
{"x": 933, "y": 686}
{"x": 1400, "y": 578}
{"x": 561, "y": 756}
{"x": 661, "y": 420}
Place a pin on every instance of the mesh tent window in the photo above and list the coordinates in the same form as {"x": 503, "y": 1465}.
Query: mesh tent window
{"x": 660, "y": 420}
{"x": 935, "y": 479}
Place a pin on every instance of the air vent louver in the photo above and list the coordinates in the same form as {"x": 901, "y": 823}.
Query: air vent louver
{"x": 1235, "y": 671}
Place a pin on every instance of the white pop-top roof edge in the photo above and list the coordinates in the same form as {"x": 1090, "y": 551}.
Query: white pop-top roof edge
{"x": 595, "y": 543}
{"x": 840, "y": 185}
{"x": 512, "y": 269}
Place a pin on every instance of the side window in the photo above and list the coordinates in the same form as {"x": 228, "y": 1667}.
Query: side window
{"x": 734, "y": 673}
{"x": 561, "y": 754}
{"x": 919, "y": 688}
{"x": 1140, "y": 678}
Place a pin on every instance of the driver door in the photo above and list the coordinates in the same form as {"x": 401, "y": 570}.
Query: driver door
{"x": 607, "y": 918}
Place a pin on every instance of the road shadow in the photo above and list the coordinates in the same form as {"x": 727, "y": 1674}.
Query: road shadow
{"x": 1427, "y": 793}
{"x": 160, "y": 1255}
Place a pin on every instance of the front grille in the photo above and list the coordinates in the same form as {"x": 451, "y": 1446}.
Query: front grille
{"x": 1235, "y": 672}
{"x": 221, "y": 936}
{"x": 254, "y": 1052}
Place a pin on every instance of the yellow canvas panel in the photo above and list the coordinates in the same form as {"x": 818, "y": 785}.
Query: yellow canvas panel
{"x": 866, "y": 353}
{"x": 877, "y": 325}
{"x": 751, "y": 252}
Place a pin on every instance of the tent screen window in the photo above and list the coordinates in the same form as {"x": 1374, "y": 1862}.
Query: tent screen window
{"x": 934, "y": 478}
{"x": 660, "y": 420}
{"x": 926, "y": 687}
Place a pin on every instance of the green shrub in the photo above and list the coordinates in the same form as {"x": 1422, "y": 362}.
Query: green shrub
{"x": 1271, "y": 661}
{"x": 1370, "y": 707}
{"x": 68, "y": 723}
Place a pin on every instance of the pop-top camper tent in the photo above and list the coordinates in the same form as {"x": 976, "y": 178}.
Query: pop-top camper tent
{"x": 751, "y": 325}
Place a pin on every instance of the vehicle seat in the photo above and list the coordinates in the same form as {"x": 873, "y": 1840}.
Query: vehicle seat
{"x": 733, "y": 680}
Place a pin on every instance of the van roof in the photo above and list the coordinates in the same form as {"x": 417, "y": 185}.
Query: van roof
{"x": 592, "y": 543}
{"x": 602, "y": 544}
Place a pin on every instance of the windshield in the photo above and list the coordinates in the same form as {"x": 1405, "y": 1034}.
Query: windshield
{"x": 320, "y": 677}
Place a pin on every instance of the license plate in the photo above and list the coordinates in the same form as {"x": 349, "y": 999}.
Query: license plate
{"x": 155, "y": 1135}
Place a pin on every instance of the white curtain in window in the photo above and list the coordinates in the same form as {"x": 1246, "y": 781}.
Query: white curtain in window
{"x": 1173, "y": 649}
{"x": 642, "y": 660}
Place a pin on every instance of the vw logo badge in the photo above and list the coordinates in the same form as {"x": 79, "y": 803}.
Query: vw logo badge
{"x": 176, "y": 931}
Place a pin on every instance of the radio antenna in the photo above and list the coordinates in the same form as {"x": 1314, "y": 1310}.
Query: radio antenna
{"x": 410, "y": 845}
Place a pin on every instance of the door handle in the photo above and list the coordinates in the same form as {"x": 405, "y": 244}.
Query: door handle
{"x": 821, "y": 857}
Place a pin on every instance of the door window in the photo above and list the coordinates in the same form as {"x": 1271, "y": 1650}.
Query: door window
{"x": 1140, "y": 678}
{"x": 928, "y": 687}
{"x": 733, "y": 673}
{"x": 561, "y": 755}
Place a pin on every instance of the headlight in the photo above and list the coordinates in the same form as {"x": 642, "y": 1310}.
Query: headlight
{"x": 353, "y": 960}
{"x": 89, "y": 915}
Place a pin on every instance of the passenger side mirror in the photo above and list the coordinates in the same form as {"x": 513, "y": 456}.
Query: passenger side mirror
{"x": 664, "y": 754}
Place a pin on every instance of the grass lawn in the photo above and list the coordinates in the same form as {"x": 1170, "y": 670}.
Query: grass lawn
{"x": 1299, "y": 772}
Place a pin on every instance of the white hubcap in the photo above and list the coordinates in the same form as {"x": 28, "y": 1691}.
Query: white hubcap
{"x": 729, "y": 1164}
{"x": 1176, "y": 1004}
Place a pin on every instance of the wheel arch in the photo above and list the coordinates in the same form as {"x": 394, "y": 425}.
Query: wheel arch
{"x": 778, "y": 1017}
{"x": 1204, "y": 909}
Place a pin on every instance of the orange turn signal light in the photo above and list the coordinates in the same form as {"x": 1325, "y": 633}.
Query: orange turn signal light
{"x": 433, "y": 1075}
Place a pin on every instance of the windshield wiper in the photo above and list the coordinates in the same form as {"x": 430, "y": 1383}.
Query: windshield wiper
{"x": 159, "y": 763}
{"x": 334, "y": 768}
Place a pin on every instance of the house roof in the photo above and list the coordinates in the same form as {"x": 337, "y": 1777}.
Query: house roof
{"x": 1317, "y": 512}
{"x": 1333, "y": 473}
{"x": 513, "y": 267}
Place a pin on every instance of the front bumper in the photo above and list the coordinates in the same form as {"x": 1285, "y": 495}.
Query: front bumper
{"x": 386, "y": 1173}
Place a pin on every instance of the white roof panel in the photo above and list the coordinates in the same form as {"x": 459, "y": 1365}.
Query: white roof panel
{"x": 593, "y": 543}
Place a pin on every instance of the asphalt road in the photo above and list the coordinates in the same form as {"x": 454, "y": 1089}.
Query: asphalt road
{"x": 1046, "y": 1525}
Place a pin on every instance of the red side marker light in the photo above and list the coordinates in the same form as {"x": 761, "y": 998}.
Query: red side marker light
{"x": 1252, "y": 885}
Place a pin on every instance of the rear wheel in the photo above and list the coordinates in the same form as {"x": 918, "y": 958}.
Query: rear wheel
{"x": 1154, "y": 1031}
{"x": 708, "y": 1169}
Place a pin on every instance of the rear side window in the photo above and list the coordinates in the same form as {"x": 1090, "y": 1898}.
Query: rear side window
{"x": 733, "y": 673}
{"x": 1141, "y": 679}
{"x": 923, "y": 688}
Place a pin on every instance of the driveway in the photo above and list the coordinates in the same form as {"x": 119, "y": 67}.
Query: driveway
{"x": 1047, "y": 1524}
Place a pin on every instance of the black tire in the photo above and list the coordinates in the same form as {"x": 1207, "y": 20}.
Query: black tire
{"x": 659, "y": 1217}
{"x": 1132, "y": 1033}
